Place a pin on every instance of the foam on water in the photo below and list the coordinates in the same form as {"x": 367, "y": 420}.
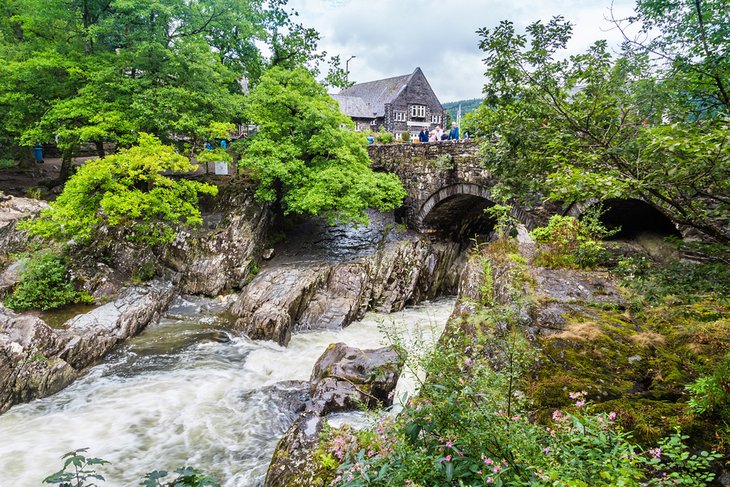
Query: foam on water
{"x": 172, "y": 397}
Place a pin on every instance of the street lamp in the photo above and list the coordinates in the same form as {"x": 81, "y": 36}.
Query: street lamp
{"x": 347, "y": 72}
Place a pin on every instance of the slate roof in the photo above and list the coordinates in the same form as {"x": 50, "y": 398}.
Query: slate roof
{"x": 353, "y": 106}
{"x": 375, "y": 94}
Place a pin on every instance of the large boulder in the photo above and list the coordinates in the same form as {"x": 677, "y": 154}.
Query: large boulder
{"x": 30, "y": 362}
{"x": 346, "y": 378}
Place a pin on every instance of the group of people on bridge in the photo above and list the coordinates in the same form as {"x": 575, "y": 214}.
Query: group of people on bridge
{"x": 438, "y": 134}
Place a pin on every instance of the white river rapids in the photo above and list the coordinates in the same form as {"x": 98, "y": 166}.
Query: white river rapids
{"x": 178, "y": 395}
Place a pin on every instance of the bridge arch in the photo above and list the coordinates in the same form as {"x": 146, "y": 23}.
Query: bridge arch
{"x": 634, "y": 216}
{"x": 458, "y": 210}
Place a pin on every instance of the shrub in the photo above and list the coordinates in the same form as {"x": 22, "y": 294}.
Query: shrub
{"x": 44, "y": 285}
{"x": 383, "y": 137}
{"x": 7, "y": 164}
{"x": 405, "y": 136}
{"x": 127, "y": 190}
{"x": 568, "y": 242}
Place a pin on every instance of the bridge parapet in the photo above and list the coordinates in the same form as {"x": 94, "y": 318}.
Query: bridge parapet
{"x": 432, "y": 172}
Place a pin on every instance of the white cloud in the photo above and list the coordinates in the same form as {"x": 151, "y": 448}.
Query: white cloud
{"x": 391, "y": 38}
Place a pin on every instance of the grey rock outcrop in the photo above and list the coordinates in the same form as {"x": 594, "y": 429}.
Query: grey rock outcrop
{"x": 346, "y": 377}
{"x": 37, "y": 360}
{"x": 223, "y": 255}
{"x": 11, "y": 212}
{"x": 343, "y": 378}
{"x": 285, "y": 299}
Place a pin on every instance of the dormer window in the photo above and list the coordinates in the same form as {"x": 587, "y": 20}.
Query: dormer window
{"x": 418, "y": 111}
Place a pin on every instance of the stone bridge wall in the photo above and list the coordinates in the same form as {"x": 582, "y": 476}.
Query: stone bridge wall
{"x": 434, "y": 171}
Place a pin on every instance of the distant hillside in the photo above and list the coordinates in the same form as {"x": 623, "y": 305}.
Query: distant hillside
{"x": 466, "y": 106}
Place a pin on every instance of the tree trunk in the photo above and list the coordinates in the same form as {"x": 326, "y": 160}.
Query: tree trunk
{"x": 100, "y": 148}
{"x": 66, "y": 165}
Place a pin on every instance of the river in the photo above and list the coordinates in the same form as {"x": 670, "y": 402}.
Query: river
{"x": 186, "y": 393}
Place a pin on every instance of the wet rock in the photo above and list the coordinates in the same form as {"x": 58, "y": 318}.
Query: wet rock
{"x": 286, "y": 299}
{"x": 268, "y": 254}
{"x": 30, "y": 366}
{"x": 36, "y": 360}
{"x": 292, "y": 464}
{"x": 345, "y": 378}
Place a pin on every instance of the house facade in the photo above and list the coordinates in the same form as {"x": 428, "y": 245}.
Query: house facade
{"x": 401, "y": 104}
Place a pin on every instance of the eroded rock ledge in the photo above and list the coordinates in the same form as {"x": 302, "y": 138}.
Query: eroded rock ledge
{"x": 37, "y": 360}
{"x": 288, "y": 299}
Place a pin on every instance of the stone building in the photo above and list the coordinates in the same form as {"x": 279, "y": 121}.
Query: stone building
{"x": 401, "y": 104}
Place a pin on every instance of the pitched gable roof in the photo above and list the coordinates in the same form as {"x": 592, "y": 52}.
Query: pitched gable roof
{"x": 353, "y": 106}
{"x": 377, "y": 93}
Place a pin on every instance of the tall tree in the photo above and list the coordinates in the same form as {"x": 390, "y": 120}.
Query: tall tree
{"x": 599, "y": 126}
{"x": 105, "y": 70}
{"x": 305, "y": 154}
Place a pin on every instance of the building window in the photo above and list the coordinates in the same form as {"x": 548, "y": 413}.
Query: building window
{"x": 435, "y": 118}
{"x": 372, "y": 122}
{"x": 399, "y": 116}
{"x": 398, "y": 136}
{"x": 418, "y": 111}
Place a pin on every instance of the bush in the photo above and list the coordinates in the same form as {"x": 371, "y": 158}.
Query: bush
{"x": 383, "y": 137}
{"x": 405, "y": 136}
{"x": 127, "y": 190}
{"x": 44, "y": 285}
{"x": 570, "y": 243}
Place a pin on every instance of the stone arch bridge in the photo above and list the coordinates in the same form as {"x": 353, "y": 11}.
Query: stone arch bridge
{"x": 448, "y": 190}
{"x": 447, "y": 187}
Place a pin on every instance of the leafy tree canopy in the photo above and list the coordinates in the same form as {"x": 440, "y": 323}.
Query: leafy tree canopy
{"x": 600, "y": 126}
{"x": 306, "y": 155}
{"x": 129, "y": 191}
{"x": 106, "y": 70}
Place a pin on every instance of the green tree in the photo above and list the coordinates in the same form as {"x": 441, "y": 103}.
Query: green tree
{"x": 305, "y": 154}
{"x": 128, "y": 191}
{"x": 94, "y": 71}
{"x": 599, "y": 126}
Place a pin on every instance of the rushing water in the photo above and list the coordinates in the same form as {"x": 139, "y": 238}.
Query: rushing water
{"x": 183, "y": 393}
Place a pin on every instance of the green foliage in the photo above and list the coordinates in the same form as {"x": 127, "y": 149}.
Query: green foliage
{"x": 568, "y": 242}
{"x": 305, "y": 156}
{"x": 95, "y": 70}
{"x": 505, "y": 222}
{"x": 44, "y": 285}
{"x": 711, "y": 393}
{"x": 383, "y": 137}
{"x": 7, "y": 164}
{"x": 672, "y": 463}
{"x": 81, "y": 473}
{"x": 601, "y": 126}
{"x": 128, "y": 191}
{"x": 405, "y": 136}
{"x": 685, "y": 282}
{"x": 444, "y": 162}
{"x": 187, "y": 477}
{"x": 81, "y": 470}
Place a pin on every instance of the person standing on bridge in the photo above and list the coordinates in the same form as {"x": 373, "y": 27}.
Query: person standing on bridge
{"x": 423, "y": 135}
{"x": 454, "y": 132}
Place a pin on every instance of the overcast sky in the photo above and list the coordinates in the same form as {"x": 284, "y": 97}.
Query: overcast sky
{"x": 391, "y": 38}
